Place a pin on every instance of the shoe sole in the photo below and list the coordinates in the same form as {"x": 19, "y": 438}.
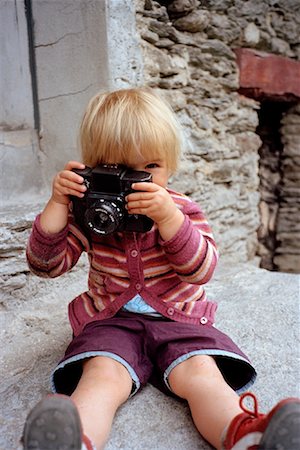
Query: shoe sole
{"x": 283, "y": 431}
{"x": 53, "y": 424}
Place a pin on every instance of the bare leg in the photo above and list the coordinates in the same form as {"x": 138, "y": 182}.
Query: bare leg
{"x": 105, "y": 384}
{"x": 212, "y": 402}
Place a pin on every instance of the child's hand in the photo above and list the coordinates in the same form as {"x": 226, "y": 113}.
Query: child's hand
{"x": 155, "y": 202}
{"x": 68, "y": 183}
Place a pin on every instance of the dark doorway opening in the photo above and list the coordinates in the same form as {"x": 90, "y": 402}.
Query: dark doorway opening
{"x": 273, "y": 80}
{"x": 270, "y": 174}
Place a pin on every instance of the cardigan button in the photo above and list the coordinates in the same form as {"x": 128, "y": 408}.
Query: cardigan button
{"x": 134, "y": 253}
{"x": 138, "y": 286}
{"x": 170, "y": 311}
{"x": 203, "y": 320}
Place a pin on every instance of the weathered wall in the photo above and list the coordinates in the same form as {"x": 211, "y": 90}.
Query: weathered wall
{"x": 78, "y": 50}
{"x": 188, "y": 55}
{"x": 19, "y": 149}
{"x": 15, "y": 80}
{"x": 70, "y": 68}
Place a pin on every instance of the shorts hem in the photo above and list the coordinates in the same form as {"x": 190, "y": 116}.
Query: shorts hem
{"x": 85, "y": 355}
{"x": 209, "y": 352}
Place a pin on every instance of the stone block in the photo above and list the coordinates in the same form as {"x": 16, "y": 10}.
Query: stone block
{"x": 194, "y": 22}
{"x": 268, "y": 76}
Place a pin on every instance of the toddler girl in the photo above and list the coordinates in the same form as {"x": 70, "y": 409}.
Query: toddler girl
{"x": 145, "y": 316}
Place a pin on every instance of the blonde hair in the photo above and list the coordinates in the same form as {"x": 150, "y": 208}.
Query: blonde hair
{"x": 119, "y": 126}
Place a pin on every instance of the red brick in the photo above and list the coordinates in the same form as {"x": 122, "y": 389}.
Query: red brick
{"x": 265, "y": 75}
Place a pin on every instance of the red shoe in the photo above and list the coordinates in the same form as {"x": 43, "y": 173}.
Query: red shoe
{"x": 278, "y": 430}
{"x": 54, "y": 424}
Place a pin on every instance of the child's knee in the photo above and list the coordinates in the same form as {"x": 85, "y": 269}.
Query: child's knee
{"x": 106, "y": 370}
{"x": 197, "y": 365}
{"x": 194, "y": 369}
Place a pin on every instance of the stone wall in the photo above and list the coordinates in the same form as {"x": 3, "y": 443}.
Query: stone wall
{"x": 75, "y": 49}
{"x": 188, "y": 56}
{"x": 74, "y": 59}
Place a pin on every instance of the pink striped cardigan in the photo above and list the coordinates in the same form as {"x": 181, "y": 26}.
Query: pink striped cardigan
{"x": 169, "y": 275}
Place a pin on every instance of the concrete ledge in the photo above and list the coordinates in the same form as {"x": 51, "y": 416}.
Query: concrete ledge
{"x": 20, "y": 173}
{"x": 259, "y": 309}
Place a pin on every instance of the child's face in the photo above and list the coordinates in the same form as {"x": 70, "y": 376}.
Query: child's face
{"x": 158, "y": 169}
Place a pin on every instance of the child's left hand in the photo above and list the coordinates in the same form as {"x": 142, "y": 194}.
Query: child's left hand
{"x": 155, "y": 202}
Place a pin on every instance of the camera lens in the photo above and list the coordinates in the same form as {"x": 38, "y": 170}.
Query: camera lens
{"x": 104, "y": 217}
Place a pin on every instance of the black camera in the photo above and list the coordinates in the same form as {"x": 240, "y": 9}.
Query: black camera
{"x": 102, "y": 209}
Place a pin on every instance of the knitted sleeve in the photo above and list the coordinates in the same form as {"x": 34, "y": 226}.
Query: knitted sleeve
{"x": 51, "y": 255}
{"x": 192, "y": 251}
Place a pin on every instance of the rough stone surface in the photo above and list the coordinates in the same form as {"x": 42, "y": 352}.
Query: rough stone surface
{"x": 15, "y": 226}
{"x": 190, "y": 60}
{"x": 199, "y": 76}
{"x": 19, "y": 156}
{"x": 259, "y": 309}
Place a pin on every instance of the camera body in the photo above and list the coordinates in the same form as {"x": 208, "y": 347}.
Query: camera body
{"x": 102, "y": 209}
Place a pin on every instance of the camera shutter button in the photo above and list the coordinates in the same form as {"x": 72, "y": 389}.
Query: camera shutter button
{"x": 134, "y": 253}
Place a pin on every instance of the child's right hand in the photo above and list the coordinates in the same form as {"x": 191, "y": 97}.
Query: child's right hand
{"x": 55, "y": 215}
{"x": 68, "y": 183}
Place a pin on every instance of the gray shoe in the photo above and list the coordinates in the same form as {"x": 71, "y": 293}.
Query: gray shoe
{"x": 283, "y": 430}
{"x": 53, "y": 424}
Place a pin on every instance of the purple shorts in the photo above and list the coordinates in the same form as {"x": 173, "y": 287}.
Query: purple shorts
{"x": 150, "y": 347}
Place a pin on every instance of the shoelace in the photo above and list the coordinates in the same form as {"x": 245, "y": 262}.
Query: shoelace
{"x": 252, "y": 412}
